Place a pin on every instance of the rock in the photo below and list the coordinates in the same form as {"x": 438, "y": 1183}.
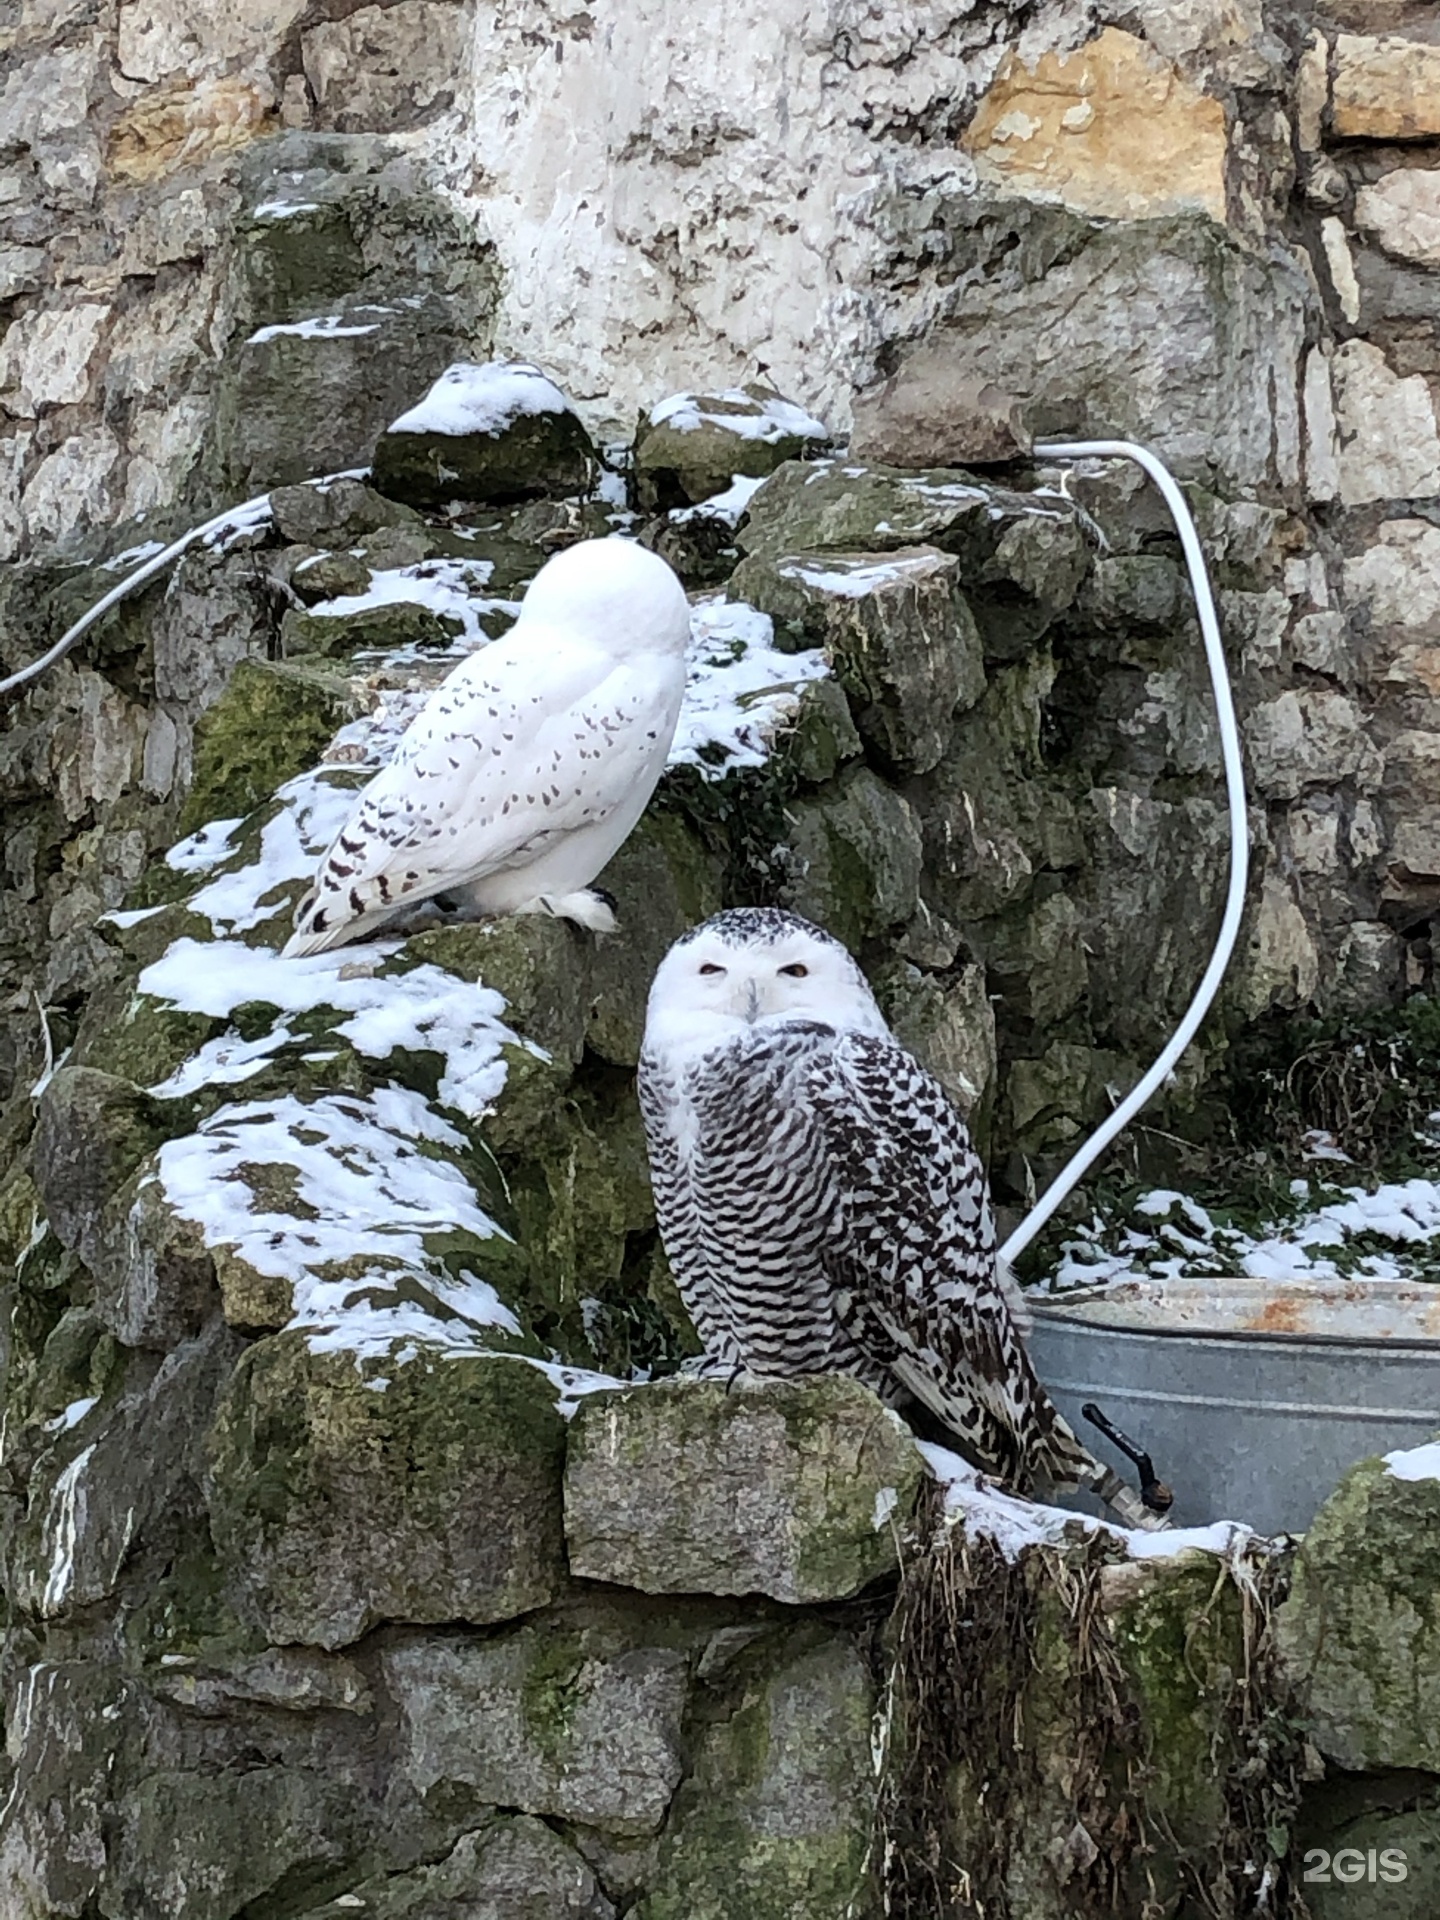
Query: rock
{"x": 92, "y": 1131}
{"x": 541, "y": 966}
{"x": 926, "y": 418}
{"x": 1309, "y": 738}
{"x": 576, "y": 1716}
{"x": 1388, "y": 437}
{"x": 1402, "y": 211}
{"x": 775, "y": 1820}
{"x": 294, "y": 1679}
{"x": 792, "y": 1488}
{"x": 337, "y": 515}
{"x": 1064, "y": 314}
{"x": 329, "y": 630}
{"x": 1385, "y": 88}
{"x": 1277, "y": 964}
{"x": 854, "y": 857}
{"x": 336, "y": 1504}
{"x": 1397, "y": 581}
{"x": 690, "y": 446}
{"x": 1035, "y": 958}
{"x": 1360, "y": 1632}
{"x": 496, "y": 432}
{"x": 948, "y": 1023}
{"x": 1021, "y": 557}
{"x": 273, "y": 720}
{"x": 510, "y": 1869}
{"x": 902, "y": 638}
{"x": 61, "y": 1740}
{"x": 1109, "y": 129}
{"x": 391, "y": 67}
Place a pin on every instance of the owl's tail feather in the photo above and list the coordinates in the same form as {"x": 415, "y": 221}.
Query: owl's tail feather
{"x": 320, "y": 925}
{"x": 1064, "y": 1463}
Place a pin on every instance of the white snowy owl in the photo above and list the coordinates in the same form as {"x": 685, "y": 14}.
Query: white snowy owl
{"x": 528, "y": 766}
{"x": 821, "y": 1204}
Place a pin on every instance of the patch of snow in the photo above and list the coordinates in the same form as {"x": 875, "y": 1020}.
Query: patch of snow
{"x": 130, "y": 916}
{"x": 62, "y": 1528}
{"x": 471, "y": 397}
{"x": 740, "y": 691}
{"x": 767, "y": 418}
{"x": 728, "y": 506}
{"x": 1220, "y": 1537}
{"x": 72, "y": 1415}
{"x": 426, "y": 1010}
{"x": 571, "y": 1383}
{"x": 886, "y": 1501}
{"x": 853, "y": 583}
{"x": 132, "y": 556}
{"x": 311, "y": 810}
{"x": 329, "y": 326}
{"x": 447, "y": 587}
{"x": 283, "y": 209}
{"x": 253, "y": 517}
{"x": 360, "y": 1190}
{"x": 204, "y": 849}
{"x": 1415, "y": 1463}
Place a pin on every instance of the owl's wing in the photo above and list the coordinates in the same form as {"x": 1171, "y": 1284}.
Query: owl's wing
{"x": 517, "y": 748}
{"x": 914, "y": 1264}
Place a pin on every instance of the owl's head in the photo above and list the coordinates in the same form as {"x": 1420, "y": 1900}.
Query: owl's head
{"x": 617, "y": 594}
{"x": 753, "y": 967}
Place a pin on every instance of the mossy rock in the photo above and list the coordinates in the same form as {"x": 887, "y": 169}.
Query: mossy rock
{"x": 541, "y": 966}
{"x": 92, "y": 1131}
{"x": 272, "y": 721}
{"x": 340, "y": 514}
{"x": 576, "y": 1715}
{"x": 344, "y": 1493}
{"x": 1360, "y": 1632}
{"x": 530, "y": 454}
{"x": 693, "y": 452}
{"x": 775, "y": 1821}
{"x": 855, "y": 852}
{"x": 485, "y": 1874}
{"x": 902, "y": 638}
{"x": 382, "y": 629}
{"x": 791, "y": 1488}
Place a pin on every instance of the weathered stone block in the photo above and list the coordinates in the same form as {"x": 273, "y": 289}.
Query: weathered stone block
{"x": 854, "y": 857}
{"x": 424, "y": 1488}
{"x": 776, "y": 1819}
{"x": 574, "y": 1717}
{"x": 272, "y": 721}
{"x": 1385, "y": 88}
{"x": 691, "y": 446}
{"x": 1360, "y": 1632}
{"x": 515, "y": 1869}
{"x": 786, "y": 1487}
{"x": 904, "y": 643}
{"x": 496, "y": 432}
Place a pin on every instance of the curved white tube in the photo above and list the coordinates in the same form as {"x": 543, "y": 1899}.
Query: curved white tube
{"x": 234, "y": 519}
{"x": 1080, "y": 1162}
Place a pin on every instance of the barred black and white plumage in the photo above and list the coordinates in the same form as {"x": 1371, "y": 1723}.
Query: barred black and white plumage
{"x": 820, "y": 1201}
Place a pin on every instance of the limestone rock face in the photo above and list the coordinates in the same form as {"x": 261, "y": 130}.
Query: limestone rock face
{"x": 496, "y": 432}
{"x": 337, "y": 1502}
{"x": 1360, "y": 1630}
{"x": 789, "y": 1488}
{"x": 1385, "y": 87}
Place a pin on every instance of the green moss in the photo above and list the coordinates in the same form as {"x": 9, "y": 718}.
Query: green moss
{"x": 271, "y": 722}
{"x": 550, "y": 1690}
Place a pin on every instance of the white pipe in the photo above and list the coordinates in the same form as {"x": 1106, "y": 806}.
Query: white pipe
{"x": 234, "y": 519}
{"x": 1081, "y": 1161}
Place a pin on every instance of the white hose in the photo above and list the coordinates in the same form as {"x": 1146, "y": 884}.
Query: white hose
{"x": 250, "y": 513}
{"x": 1081, "y": 1161}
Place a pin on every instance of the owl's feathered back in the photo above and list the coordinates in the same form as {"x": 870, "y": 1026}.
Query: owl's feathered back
{"x": 530, "y": 763}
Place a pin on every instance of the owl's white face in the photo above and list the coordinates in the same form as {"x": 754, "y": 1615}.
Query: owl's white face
{"x": 752, "y": 968}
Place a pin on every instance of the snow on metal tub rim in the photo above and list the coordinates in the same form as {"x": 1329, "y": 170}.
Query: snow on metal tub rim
{"x": 1252, "y": 1396}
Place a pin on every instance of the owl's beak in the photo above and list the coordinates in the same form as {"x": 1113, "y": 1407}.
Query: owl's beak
{"x": 752, "y": 1002}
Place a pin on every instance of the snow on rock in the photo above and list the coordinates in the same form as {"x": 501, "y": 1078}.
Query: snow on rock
{"x": 741, "y": 690}
{"x": 1415, "y": 1463}
{"x": 471, "y": 397}
{"x": 765, "y": 419}
{"x": 450, "y": 588}
{"x": 729, "y": 506}
{"x": 1015, "y": 1524}
{"x": 329, "y": 326}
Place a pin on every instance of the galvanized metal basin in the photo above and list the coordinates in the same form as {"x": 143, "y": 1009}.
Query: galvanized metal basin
{"x": 1252, "y": 1397}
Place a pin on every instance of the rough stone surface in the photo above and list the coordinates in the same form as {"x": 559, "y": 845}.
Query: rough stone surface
{"x": 788, "y": 1488}
{"x": 577, "y": 1717}
{"x": 1109, "y": 129}
{"x": 336, "y": 1504}
{"x": 1385, "y": 87}
{"x": 1360, "y": 1630}
{"x": 695, "y": 451}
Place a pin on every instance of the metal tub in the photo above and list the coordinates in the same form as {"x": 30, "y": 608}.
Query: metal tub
{"x": 1252, "y": 1397}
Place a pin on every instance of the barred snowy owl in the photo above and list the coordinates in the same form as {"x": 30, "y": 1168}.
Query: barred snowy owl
{"x": 820, "y": 1202}
{"x": 528, "y": 766}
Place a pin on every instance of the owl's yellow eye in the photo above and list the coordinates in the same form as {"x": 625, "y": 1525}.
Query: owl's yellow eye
{"x": 797, "y": 970}
{"x": 710, "y": 967}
